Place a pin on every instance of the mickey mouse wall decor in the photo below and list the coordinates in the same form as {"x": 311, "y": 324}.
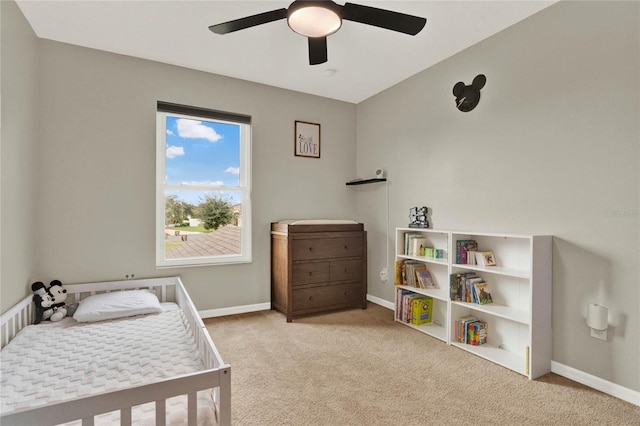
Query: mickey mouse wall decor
{"x": 467, "y": 97}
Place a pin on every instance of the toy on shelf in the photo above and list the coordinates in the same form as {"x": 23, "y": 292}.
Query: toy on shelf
{"x": 418, "y": 216}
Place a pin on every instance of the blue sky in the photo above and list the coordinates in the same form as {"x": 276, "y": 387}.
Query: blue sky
{"x": 201, "y": 153}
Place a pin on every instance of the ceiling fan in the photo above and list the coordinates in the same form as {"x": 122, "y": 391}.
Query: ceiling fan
{"x": 318, "y": 19}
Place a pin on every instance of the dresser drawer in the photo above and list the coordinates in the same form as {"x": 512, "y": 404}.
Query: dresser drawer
{"x": 324, "y": 248}
{"x": 309, "y": 273}
{"x": 327, "y": 296}
{"x": 346, "y": 270}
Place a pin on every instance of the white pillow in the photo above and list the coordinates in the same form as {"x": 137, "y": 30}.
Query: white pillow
{"x": 117, "y": 304}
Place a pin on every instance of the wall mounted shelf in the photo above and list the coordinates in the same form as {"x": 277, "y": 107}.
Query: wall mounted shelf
{"x": 364, "y": 181}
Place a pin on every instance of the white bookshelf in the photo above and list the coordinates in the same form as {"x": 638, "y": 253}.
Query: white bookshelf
{"x": 519, "y": 319}
{"x": 439, "y": 268}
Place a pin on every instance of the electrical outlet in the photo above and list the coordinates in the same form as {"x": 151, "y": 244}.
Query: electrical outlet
{"x": 599, "y": 334}
{"x": 384, "y": 275}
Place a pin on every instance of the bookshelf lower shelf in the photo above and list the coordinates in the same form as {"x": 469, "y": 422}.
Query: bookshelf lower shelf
{"x": 497, "y": 355}
{"x": 497, "y": 310}
{"x": 433, "y": 329}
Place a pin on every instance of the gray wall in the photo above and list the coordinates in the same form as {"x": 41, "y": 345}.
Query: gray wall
{"x": 18, "y": 153}
{"x": 552, "y": 148}
{"x": 98, "y": 167}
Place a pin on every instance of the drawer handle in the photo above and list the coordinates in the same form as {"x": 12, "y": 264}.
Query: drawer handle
{"x": 310, "y": 297}
{"x": 310, "y": 273}
{"x": 346, "y": 247}
{"x": 346, "y": 269}
{"x": 346, "y": 293}
{"x": 310, "y": 248}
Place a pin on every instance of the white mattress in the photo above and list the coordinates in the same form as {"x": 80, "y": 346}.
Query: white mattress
{"x": 52, "y": 362}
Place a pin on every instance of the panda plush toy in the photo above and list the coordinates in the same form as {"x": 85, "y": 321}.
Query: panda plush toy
{"x": 50, "y": 302}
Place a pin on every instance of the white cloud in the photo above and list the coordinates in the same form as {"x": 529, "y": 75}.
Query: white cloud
{"x": 233, "y": 170}
{"x": 196, "y": 130}
{"x": 174, "y": 151}
{"x": 169, "y": 132}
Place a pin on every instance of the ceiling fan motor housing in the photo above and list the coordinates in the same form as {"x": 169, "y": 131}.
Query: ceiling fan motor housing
{"x": 314, "y": 18}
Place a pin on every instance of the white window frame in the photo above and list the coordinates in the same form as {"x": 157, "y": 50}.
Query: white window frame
{"x": 244, "y": 188}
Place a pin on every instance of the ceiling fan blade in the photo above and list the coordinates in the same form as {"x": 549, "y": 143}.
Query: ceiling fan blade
{"x": 249, "y": 21}
{"x": 317, "y": 50}
{"x": 382, "y": 18}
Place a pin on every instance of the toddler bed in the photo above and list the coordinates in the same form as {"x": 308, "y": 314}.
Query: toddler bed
{"x": 156, "y": 368}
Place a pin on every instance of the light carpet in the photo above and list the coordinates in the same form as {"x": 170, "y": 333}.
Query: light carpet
{"x": 359, "y": 367}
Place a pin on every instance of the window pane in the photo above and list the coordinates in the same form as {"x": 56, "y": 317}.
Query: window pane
{"x": 203, "y": 189}
{"x": 202, "y": 153}
{"x": 202, "y": 224}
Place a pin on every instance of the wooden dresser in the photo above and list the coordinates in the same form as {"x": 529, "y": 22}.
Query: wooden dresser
{"x": 318, "y": 268}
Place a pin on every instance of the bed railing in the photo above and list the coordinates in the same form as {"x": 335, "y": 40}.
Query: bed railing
{"x": 15, "y": 319}
{"x": 216, "y": 376}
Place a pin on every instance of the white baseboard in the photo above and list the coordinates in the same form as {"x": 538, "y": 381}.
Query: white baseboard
{"x": 597, "y": 383}
{"x": 221, "y": 312}
{"x": 379, "y": 301}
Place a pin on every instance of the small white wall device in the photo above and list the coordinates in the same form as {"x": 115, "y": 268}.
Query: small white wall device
{"x": 380, "y": 174}
{"x": 598, "y": 320}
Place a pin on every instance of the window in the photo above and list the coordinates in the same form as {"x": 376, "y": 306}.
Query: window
{"x": 203, "y": 186}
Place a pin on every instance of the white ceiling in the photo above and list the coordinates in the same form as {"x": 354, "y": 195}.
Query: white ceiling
{"x": 366, "y": 59}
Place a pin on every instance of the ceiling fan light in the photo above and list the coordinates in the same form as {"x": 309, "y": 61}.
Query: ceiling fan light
{"x": 313, "y": 20}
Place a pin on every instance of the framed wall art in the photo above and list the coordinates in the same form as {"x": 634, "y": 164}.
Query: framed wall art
{"x": 307, "y": 139}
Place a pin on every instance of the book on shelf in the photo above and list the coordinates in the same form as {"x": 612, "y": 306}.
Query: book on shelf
{"x": 464, "y": 286}
{"x": 408, "y": 306}
{"x": 416, "y": 247}
{"x": 410, "y": 272}
{"x": 471, "y": 330}
{"x": 408, "y": 301}
{"x": 462, "y": 248}
{"x": 461, "y": 327}
{"x": 468, "y": 331}
{"x": 415, "y": 270}
{"x": 481, "y": 295}
{"x": 469, "y": 287}
{"x": 408, "y": 238}
{"x": 454, "y": 287}
{"x": 471, "y": 257}
{"x": 485, "y": 258}
{"x": 434, "y": 253}
{"x": 425, "y": 280}
{"x": 404, "y": 280}
{"x": 460, "y": 283}
{"x": 413, "y": 273}
{"x": 477, "y": 333}
{"x": 400, "y": 293}
{"x": 399, "y": 273}
{"x": 400, "y": 303}
{"x": 422, "y": 311}
{"x": 416, "y": 244}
